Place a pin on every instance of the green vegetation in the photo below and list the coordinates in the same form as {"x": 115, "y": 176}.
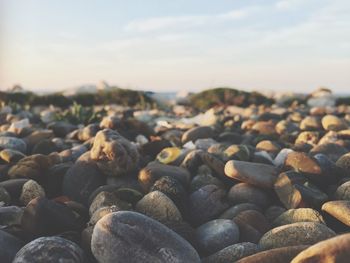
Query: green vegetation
{"x": 227, "y": 96}
{"x": 118, "y": 96}
{"x": 78, "y": 114}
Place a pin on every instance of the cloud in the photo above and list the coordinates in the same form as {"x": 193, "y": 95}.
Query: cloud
{"x": 159, "y": 23}
{"x": 289, "y": 4}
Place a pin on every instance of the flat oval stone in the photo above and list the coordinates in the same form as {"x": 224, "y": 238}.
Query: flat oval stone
{"x": 276, "y": 255}
{"x": 216, "y": 235}
{"x": 301, "y": 162}
{"x": 254, "y": 219}
{"x": 50, "y": 249}
{"x": 13, "y": 143}
{"x": 201, "y": 132}
{"x": 159, "y": 207}
{"x": 298, "y": 215}
{"x": 33, "y": 167}
{"x": 344, "y": 163}
{"x": 206, "y": 203}
{"x": 5, "y": 197}
{"x": 132, "y": 237}
{"x": 333, "y": 123}
{"x": 336, "y": 249}
{"x": 82, "y": 179}
{"x": 44, "y": 217}
{"x": 9, "y": 245}
{"x": 286, "y": 191}
{"x": 232, "y": 253}
{"x": 343, "y": 191}
{"x": 172, "y": 188}
{"x": 261, "y": 175}
{"x": 153, "y": 171}
{"x": 273, "y": 212}
{"x": 106, "y": 199}
{"x": 295, "y": 234}
{"x": 245, "y": 193}
{"x": 11, "y": 156}
{"x": 338, "y": 209}
{"x": 236, "y": 209}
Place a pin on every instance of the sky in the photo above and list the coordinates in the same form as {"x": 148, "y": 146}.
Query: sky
{"x": 163, "y": 45}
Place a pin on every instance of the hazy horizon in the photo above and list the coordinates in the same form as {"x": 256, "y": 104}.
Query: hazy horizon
{"x": 281, "y": 45}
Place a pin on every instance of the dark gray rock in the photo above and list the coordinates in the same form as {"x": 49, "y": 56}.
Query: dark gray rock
{"x": 133, "y": 237}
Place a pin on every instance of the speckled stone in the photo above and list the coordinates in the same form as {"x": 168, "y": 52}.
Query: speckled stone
{"x": 133, "y": 237}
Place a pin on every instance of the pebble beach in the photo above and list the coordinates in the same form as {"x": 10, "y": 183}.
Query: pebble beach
{"x": 253, "y": 182}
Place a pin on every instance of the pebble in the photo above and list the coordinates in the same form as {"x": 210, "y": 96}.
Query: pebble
{"x": 9, "y": 246}
{"x": 246, "y": 193}
{"x": 294, "y": 234}
{"x": 11, "y": 156}
{"x": 201, "y": 132}
{"x": 333, "y": 123}
{"x": 206, "y": 203}
{"x": 336, "y": 249}
{"x": 114, "y": 154}
{"x": 276, "y": 255}
{"x": 232, "y": 253}
{"x": 50, "y": 249}
{"x": 261, "y": 175}
{"x": 338, "y": 209}
{"x": 236, "y": 209}
{"x": 159, "y": 207}
{"x": 82, "y": 179}
{"x": 133, "y": 237}
{"x": 31, "y": 190}
{"x": 13, "y": 144}
{"x": 298, "y": 215}
{"x": 216, "y": 235}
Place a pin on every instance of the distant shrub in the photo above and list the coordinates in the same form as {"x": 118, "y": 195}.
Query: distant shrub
{"x": 343, "y": 101}
{"x": 227, "y": 96}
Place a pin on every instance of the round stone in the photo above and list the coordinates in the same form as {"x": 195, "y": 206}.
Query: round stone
{"x": 31, "y": 190}
{"x": 273, "y": 212}
{"x": 5, "y": 197}
{"x": 132, "y": 237}
{"x": 114, "y": 154}
{"x": 201, "y": 132}
{"x": 338, "y": 209}
{"x": 344, "y": 163}
{"x": 50, "y": 249}
{"x": 343, "y": 191}
{"x": 173, "y": 189}
{"x": 245, "y": 193}
{"x": 206, "y": 203}
{"x": 13, "y": 143}
{"x": 336, "y": 249}
{"x": 333, "y": 123}
{"x": 106, "y": 199}
{"x": 153, "y": 171}
{"x": 82, "y": 179}
{"x": 236, "y": 209}
{"x": 44, "y": 217}
{"x": 159, "y": 207}
{"x": 310, "y": 123}
{"x": 255, "y": 219}
{"x": 11, "y": 156}
{"x": 9, "y": 246}
{"x": 232, "y": 253}
{"x": 276, "y": 255}
{"x": 298, "y": 215}
{"x": 216, "y": 235}
{"x": 294, "y": 234}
